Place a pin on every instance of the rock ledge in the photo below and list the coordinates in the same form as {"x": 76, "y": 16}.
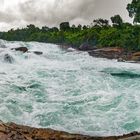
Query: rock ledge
{"x": 12, "y": 131}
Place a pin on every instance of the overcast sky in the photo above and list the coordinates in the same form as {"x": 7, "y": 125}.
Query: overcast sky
{"x": 19, "y": 13}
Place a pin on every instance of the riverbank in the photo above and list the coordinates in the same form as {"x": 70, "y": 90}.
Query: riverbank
{"x": 12, "y": 131}
{"x": 121, "y": 54}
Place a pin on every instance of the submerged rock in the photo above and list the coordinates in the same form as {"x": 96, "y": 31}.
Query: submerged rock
{"x": 126, "y": 75}
{"x": 8, "y": 58}
{"x": 21, "y": 49}
{"x": 37, "y": 52}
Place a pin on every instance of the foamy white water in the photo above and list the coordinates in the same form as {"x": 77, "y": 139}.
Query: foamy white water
{"x": 69, "y": 91}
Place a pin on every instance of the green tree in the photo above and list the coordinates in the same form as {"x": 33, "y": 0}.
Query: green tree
{"x": 32, "y": 28}
{"x": 85, "y": 27}
{"x": 79, "y": 27}
{"x": 64, "y": 26}
{"x": 117, "y": 20}
{"x": 101, "y": 22}
{"x": 134, "y": 10}
{"x": 45, "y": 29}
{"x": 54, "y": 29}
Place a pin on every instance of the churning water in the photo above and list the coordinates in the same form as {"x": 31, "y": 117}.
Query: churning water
{"x": 68, "y": 90}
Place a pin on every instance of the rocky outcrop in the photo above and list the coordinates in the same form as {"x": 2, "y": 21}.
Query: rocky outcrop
{"x": 135, "y": 56}
{"x": 11, "y": 131}
{"x": 86, "y": 47}
{"x": 21, "y": 49}
{"x": 118, "y": 53}
{"x": 130, "y": 57}
{"x": 110, "y": 52}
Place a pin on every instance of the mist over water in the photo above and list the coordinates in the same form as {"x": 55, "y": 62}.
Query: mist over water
{"x": 69, "y": 91}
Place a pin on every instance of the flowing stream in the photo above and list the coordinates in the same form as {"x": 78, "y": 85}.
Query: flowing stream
{"x": 68, "y": 90}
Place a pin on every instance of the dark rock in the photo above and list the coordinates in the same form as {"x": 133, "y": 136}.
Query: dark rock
{"x": 86, "y": 47}
{"x": 8, "y": 58}
{"x": 126, "y": 75}
{"x": 38, "y": 53}
{"x": 22, "y": 49}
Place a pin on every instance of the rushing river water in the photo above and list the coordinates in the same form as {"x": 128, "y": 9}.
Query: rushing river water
{"x": 68, "y": 90}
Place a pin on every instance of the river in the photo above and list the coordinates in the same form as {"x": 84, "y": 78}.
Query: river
{"x": 68, "y": 90}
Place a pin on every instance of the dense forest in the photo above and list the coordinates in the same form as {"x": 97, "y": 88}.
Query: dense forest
{"x": 100, "y": 33}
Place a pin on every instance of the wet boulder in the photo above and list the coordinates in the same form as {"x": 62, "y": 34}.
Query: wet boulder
{"x": 8, "y": 58}
{"x": 21, "y": 49}
{"x": 38, "y": 52}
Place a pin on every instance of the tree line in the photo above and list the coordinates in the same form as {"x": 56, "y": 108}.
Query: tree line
{"x": 100, "y": 33}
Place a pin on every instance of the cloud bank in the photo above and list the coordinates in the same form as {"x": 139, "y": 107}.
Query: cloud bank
{"x": 19, "y": 13}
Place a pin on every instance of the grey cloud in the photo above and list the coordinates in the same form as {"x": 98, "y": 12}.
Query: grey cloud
{"x": 107, "y": 8}
{"x": 57, "y": 11}
{"x": 53, "y": 12}
{"x": 7, "y": 17}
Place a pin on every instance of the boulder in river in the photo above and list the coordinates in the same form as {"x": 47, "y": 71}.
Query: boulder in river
{"x": 8, "y": 58}
{"x": 37, "y": 52}
{"x": 21, "y": 49}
